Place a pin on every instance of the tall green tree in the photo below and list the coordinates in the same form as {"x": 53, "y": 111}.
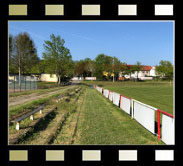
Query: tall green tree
{"x": 89, "y": 67}
{"x": 116, "y": 68}
{"x": 103, "y": 63}
{"x": 58, "y": 58}
{"x": 12, "y": 66}
{"x": 165, "y": 69}
{"x": 23, "y": 55}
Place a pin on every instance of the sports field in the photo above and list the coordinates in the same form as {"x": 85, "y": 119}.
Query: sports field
{"x": 86, "y": 117}
{"x": 158, "y": 94}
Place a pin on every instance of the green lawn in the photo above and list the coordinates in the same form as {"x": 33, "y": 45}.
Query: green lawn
{"x": 103, "y": 123}
{"x": 155, "y": 93}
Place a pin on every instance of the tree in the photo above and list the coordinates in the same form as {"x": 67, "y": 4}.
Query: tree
{"x": 124, "y": 69}
{"x": 23, "y": 54}
{"x": 89, "y": 67}
{"x": 39, "y": 68}
{"x": 116, "y": 68}
{"x": 58, "y": 58}
{"x": 165, "y": 69}
{"x": 12, "y": 67}
{"x": 103, "y": 63}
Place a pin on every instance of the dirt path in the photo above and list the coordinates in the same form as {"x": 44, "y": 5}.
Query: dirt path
{"x": 13, "y": 101}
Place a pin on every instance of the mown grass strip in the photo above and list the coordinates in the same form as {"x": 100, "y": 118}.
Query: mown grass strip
{"x": 101, "y": 122}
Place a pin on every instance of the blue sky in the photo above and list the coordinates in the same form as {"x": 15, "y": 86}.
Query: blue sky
{"x": 146, "y": 42}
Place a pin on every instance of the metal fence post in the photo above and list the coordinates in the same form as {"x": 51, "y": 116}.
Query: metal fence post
{"x": 34, "y": 83}
{"x": 20, "y": 83}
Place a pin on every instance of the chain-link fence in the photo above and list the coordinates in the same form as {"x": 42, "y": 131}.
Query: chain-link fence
{"x": 22, "y": 83}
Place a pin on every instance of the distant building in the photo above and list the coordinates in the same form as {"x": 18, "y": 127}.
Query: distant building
{"x": 146, "y": 73}
{"x": 48, "y": 78}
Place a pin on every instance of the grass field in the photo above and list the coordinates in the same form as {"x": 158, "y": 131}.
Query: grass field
{"x": 85, "y": 118}
{"x": 158, "y": 94}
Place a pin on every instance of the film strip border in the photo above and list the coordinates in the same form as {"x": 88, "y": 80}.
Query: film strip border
{"x": 90, "y": 155}
{"x": 119, "y": 9}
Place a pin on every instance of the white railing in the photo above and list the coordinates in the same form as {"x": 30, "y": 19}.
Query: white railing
{"x": 145, "y": 115}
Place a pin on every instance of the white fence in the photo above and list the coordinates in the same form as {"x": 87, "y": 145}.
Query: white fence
{"x": 116, "y": 98}
{"x": 106, "y": 93}
{"x": 99, "y": 89}
{"x": 110, "y": 95}
{"x": 125, "y": 104}
{"x": 145, "y": 115}
{"x": 168, "y": 132}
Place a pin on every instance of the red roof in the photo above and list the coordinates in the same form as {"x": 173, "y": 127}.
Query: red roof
{"x": 144, "y": 68}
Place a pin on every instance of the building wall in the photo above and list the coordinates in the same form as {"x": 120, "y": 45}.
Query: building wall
{"x": 49, "y": 77}
{"x": 153, "y": 72}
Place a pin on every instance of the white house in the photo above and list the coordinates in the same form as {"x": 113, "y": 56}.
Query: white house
{"x": 146, "y": 73}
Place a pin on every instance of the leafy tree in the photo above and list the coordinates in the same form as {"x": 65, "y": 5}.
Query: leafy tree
{"x": 103, "y": 63}
{"x": 124, "y": 69}
{"x": 85, "y": 68}
{"x": 89, "y": 67}
{"x": 39, "y": 68}
{"x": 12, "y": 67}
{"x": 58, "y": 58}
{"x": 165, "y": 69}
{"x": 116, "y": 68}
{"x": 23, "y": 54}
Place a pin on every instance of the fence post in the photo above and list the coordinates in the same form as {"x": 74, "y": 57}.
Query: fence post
{"x": 109, "y": 95}
{"x": 158, "y": 123}
{"x": 34, "y": 82}
{"x": 20, "y": 82}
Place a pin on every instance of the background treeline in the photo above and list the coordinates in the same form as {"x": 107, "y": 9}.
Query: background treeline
{"x": 57, "y": 59}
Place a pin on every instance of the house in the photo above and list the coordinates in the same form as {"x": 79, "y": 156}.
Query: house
{"x": 146, "y": 73}
{"x": 48, "y": 78}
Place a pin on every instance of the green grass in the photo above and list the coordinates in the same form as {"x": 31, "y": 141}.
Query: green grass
{"x": 14, "y": 110}
{"x": 103, "y": 123}
{"x": 158, "y": 94}
{"x": 46, "y": 84}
